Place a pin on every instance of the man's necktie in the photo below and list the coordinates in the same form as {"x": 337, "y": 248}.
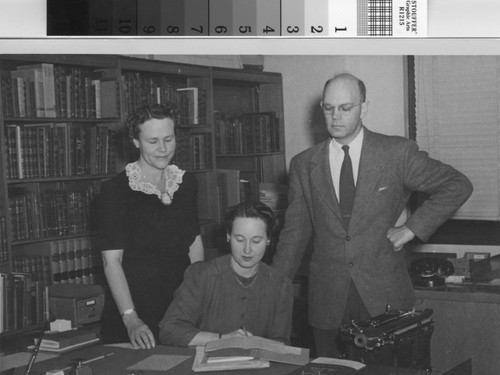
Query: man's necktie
{"x": 346, "y": 187}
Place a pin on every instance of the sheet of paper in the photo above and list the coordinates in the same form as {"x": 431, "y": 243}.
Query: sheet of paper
{"x": 22, "y": 359}
{"x": 125, "y": 345}
{"x": 341, "y": 362}
{"x": 159, "y": 362}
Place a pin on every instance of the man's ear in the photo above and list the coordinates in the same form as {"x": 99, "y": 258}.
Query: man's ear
{"x": 136, "y": 143}
{"x": 364, "y": 109}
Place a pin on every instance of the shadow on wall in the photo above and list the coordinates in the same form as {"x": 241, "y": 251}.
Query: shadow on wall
{"x": 317, "y": 128}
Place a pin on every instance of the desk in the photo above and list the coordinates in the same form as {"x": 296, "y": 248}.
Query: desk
{"x": 467, "y": 326}
{"x": 123, "y": 358}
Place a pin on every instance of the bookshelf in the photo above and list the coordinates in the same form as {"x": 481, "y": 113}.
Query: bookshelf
{"x": 58, "y": 151}
{"x": 249, "y": 132}
{"x": 62, "y": 136}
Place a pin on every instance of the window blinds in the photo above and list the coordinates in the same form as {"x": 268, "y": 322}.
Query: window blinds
{"x": 457, "y": 122}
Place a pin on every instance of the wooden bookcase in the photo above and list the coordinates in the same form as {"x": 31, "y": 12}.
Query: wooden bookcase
{"x": 47, "y": 200}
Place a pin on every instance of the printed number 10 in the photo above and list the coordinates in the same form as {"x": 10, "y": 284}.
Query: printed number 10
{"x": 125, "y": 26}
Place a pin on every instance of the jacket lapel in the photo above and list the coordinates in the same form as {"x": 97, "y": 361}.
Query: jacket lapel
{"x": 321, "y": 178}
{"x": 368, "y": 175}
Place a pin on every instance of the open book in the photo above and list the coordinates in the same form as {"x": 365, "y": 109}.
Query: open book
{"x": 246, "y": 352}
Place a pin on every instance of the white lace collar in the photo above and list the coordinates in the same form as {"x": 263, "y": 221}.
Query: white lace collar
{"x": 137, "y": 182}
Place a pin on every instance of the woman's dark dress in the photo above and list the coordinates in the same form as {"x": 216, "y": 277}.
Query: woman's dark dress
{"x": 155, "y": 239}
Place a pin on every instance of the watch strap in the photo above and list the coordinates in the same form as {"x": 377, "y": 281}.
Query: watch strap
{"x": 128, "y": 311}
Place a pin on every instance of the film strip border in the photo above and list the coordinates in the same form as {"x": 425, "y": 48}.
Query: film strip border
{"x": 172, "y": 18}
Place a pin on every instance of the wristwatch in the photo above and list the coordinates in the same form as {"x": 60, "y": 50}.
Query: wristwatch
{"x": 128, "y": 312}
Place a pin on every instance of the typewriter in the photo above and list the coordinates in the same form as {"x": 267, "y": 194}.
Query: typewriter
{"x": 399, "y": 338}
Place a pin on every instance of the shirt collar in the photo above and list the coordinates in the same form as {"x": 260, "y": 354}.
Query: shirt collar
{"x": 354, "y": 146}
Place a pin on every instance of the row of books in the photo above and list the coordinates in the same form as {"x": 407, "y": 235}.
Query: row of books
{"x": 72, "y": 261}
{"x": 4, "y": 248}
{"x": 47, "y": 91}
{"x": 23, "y": 301}
{"x": 139, "y": 89}
{"x": 247, "y": 133}
{"x": 59, "y": 211}
{"x": 193, "y": 151}
{"x": 59, "y": 149}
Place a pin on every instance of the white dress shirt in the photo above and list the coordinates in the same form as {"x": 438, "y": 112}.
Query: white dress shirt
{"x": 336, "y": 157}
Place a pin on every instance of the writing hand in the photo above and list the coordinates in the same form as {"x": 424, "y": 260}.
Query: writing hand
{"x": 238, "y": 333}
{"x": 138, "y": 332}
{"x": 399, "y": 236}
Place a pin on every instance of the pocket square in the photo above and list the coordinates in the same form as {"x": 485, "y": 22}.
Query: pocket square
{"x": 382, "y": 188}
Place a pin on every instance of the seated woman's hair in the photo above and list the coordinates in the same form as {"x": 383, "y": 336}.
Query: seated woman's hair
{"x": 148, "y": 112}
{"x": 257, "y": 210}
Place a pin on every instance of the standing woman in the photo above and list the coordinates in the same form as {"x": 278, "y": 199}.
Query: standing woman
{"x": 149, "y": 230}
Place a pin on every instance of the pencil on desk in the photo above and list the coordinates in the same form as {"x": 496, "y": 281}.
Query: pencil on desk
{"x": 97, "y": 358}
{"x": 34, "y": 354}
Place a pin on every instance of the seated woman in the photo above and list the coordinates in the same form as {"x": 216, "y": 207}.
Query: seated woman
{"x": 235, "y": 294}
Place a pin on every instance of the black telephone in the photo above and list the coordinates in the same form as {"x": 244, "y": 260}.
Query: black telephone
{"x": 429, "y": 272}
{"x": 429, "y": 266}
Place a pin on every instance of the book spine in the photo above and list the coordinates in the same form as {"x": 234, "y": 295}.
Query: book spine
{"x": 9, "y": 314}
{"x": 85, "y": 245}
{"x": 13, "y": 166}
{"x": 63, "y": 261}
{"x": 55, "y": 264}
{"x": 6, "y": 93}
{"x": 49, "y": 95}
{"x": 78, "y": 260}
{"x": 96, "y": 86}
{"x": 21, "y": 96}
{"x": 4, "y": 249}
{"x": 39, "y": 94}
{"x": 70, "y": 247}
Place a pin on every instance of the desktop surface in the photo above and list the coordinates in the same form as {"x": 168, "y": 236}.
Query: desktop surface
{"x": 123, "y": 358}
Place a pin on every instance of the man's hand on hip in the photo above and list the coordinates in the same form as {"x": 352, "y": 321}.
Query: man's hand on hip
{"x": 399, "y": 236}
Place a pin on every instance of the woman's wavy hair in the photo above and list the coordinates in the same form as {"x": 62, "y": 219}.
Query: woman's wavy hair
{"x": 148, "y": 112}
{"x": 257, "y": 210}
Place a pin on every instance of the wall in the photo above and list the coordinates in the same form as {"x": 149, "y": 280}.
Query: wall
{"x": 303, "y": 80}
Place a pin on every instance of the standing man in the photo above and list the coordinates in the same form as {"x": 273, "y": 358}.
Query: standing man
{"x": 348, "y": 199}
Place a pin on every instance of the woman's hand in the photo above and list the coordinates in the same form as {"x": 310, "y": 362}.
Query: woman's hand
{"x": 138, "y": 332}
{"x": 238, "y": 333}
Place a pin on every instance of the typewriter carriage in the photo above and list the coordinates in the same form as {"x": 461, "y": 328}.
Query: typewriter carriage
{"x": 398, "y": 338}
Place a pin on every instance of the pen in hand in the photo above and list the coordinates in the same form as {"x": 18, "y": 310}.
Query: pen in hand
{"x": 244, "y": 330}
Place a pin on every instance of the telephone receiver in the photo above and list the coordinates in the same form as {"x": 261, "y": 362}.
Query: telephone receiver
{"x": 429, "y": 267}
